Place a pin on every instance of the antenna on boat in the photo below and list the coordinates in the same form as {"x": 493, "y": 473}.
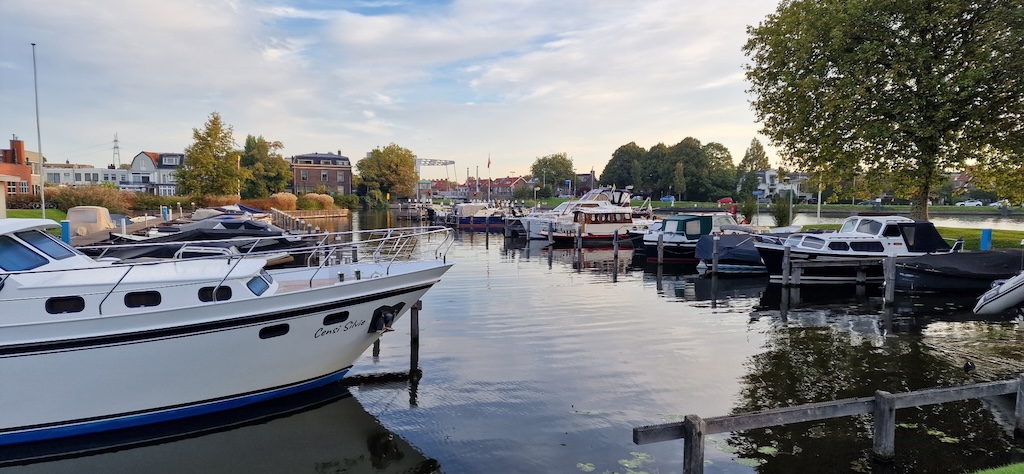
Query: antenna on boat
{"x": 42, "y": 183}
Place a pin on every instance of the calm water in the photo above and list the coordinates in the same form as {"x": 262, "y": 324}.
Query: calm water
{"x": 532, "y": 363}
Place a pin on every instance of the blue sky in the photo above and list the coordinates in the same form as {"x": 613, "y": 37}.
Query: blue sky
{"x": 459, "y": 80}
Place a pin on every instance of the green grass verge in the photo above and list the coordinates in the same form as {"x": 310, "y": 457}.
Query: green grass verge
{"x": 1010, "y": 469}
{"x": 55, "y": 214}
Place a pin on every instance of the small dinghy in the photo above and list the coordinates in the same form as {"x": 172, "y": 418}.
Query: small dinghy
{"x": 1004, "y": 295}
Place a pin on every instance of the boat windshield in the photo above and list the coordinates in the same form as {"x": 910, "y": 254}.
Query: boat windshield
{"x": 47, "y": 244}
{"x": 849, "y": 225}
{"x": 15, "y": 257}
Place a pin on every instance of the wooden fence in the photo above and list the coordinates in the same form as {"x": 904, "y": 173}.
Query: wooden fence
{"x": 882, "y": 406}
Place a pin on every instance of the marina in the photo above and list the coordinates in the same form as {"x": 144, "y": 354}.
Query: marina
{"x": 538, "y": 359}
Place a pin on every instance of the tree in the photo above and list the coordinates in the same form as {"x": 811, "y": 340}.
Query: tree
{"x": 554, "y": 170}
{"x": 212, "y": 164}
{"x": 390, "y": 170}
{"x": 754, "y": 159}
{"x": 270, "y": 172}
{"x": 720, "y": 177}
{"x": 899, "y": 90}
{"x": 621, "y": 169}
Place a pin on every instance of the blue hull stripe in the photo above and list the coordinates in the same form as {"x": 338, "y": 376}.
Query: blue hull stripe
{"x": 139, "y": 419}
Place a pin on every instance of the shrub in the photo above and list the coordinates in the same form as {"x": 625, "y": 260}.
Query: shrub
{"x": 68, "y": 197}
{"x": 283, "y": 201}
{"x": 347, "y": 201}
{"x": 310, "y": 201}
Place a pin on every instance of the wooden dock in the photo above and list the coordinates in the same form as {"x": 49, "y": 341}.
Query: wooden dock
{"x": 882, "y": 406}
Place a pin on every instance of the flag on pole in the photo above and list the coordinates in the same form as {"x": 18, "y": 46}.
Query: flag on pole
{"x": 488, "y": 161}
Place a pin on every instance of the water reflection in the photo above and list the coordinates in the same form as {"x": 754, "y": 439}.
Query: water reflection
{"x": 325, "y": 430}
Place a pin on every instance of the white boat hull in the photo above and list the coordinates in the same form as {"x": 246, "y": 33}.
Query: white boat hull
{"x": 1002, "y": 297}
{"x": 209, "y": 358}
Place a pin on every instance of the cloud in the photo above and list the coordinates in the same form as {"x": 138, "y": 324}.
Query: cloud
{"x": 454, "y": 80}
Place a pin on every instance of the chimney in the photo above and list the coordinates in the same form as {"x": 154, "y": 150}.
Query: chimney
{"x": 18, "y": 148}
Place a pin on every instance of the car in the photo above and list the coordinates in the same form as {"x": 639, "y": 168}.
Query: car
{"x": 764, "y": 200}
{"x": 1000, "y": 204}
{"x": 866, "y": 203}
{"x": 969, "y": 202}
{"x": 725, "y": 200}
{"x": 668, "y": 198}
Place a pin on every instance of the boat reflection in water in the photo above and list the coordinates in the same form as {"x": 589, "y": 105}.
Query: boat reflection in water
{"x": 324, "y": 430}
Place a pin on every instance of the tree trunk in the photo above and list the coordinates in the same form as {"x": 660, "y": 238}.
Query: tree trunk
{"x": 919, "y": 202}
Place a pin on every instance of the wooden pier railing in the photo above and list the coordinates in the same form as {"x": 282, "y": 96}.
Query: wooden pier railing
{"x": 882, "y": 406}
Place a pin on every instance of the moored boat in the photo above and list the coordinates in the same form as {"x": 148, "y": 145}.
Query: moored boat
{"x": 89, "y": 346}
{"x": 595, "y": 227}
{"x": 678, "y": 235}
{"x": 1003, "y": 296}
{"x": 969, "y": 273}
{"x": 870, "y": 238}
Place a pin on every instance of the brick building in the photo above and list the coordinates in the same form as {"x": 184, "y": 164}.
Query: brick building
{"x": 333, "y": 172}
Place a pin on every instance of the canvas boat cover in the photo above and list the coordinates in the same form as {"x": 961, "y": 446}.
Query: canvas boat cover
{"x": 983, "y": 264}
{"x": 923, "y": 237}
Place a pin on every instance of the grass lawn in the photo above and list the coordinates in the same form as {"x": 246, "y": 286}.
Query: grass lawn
{"x": 55, "y": 214}
{"x": 1011, "y": 469}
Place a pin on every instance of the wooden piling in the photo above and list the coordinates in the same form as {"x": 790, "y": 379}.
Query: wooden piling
{"x": 693, "y": 450}
{"x": 889, "y": 270}
{"x": 785, "y": 265}
{"x": 714, "y": 255}
{"x": 661, "y": 249}
{"x": 884, "y": 429}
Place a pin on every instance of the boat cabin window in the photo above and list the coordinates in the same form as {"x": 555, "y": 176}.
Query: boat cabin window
{"x": 693, "y": 229}
{"x": 47, "y": 243}
{"x": 207, "y": 294}
{"x": 141, "y": 299}
{"x": 335, "y": 318}
{"x": 65, "y": 304}
{"x": 15, "y": 257}
{"x": 849, "y": 225}
{"x": 891, "y": 231}
{"x": 813, "y": 242}
{"x": 869, "y": 227}
{"x": 868, "y": 246}
{"x": 843, "y": 246}
{"x": 266, "y": 276}
{"x": 257, "y": 285}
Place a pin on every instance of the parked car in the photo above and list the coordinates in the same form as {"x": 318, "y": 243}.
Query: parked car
{"x": 1001, "y": 203}
{"x": 668, "y": 198}
{"x": 867, "y": 203}
{"x": 764, "y": 200}
{"x": 969, "y": 202}
{"x": 725, "y": 200}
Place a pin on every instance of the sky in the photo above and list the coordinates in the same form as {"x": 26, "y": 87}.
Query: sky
{"x": 467, "y": 81}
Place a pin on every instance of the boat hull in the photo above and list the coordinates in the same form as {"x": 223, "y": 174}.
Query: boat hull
{"x": 967, "y": 273}
{"x": 1002, "y": 297}
{"x": 772, "y": 257}
{"x": 218, "y": 356}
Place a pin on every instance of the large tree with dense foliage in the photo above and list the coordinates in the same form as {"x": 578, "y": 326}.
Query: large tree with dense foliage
{"x": 902, "y": 91}
{"x": 212, "y": 164}
{"x": 390, "y": 170}
{"x": 754, "y": 159}
{"x": 620, "y": 170}
{"x": 553, "y": 170}
{"x": 270, "y": 172}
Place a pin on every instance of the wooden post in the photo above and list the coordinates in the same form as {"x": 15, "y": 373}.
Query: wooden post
{"x": 693, "y": 444}
{"x": 661, "y": 249}
{"x": 579, "y": 248}
{"x": 884, "y": 431}
{"x": 889, "y": 268}
{"x": 551, "y": 232}
{"x": 1018, "y": 418}
{"x": 414, "y": 336}
{"x": 785, "y": 265}
{"x": 615, "y": 256}
{"x": 714, "y": 255}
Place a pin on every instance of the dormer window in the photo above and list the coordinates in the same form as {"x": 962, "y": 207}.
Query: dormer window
{"x": 172, "y": 160}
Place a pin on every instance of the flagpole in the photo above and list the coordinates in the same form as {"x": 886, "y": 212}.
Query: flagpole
{"x": 488, "y": 177}
{"x": 39, "y": 139}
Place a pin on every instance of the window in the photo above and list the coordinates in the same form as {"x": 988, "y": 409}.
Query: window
{"x": 304, "y": 174}
{"x": 323, "y": 175}
{"x": 15, "y": 257}
{"x": 813, "y": 242}
{"x": 65, "y": 304}
{"x": 273, "y": 331}
{"x": 257, "y": 285}
{"x": 78, "y": 177}
{"x": 222, "y": 293}
{"x": 341, "y": 177}
{"x": 335, "y": 318}
{"x": 843, "y": 246}
{"x": 46, "y": 243}
{"x": 12, "y": 187}
{"x": 891, "y": 231}
{"x": 171, "y": 161}
{"x": 23, "y": 188}
{"x": 141, "y": 299}
{"x": 869, "y": 246}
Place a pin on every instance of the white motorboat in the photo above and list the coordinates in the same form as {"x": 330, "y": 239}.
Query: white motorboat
{"x": 1003, "y": 296}
{"x": 93, "y": 345}
{"x": 598, "y": 226}
{"x": 865, "y": 237}
{"x": 541, "y": 221}
{"x": 680, "y": 233}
